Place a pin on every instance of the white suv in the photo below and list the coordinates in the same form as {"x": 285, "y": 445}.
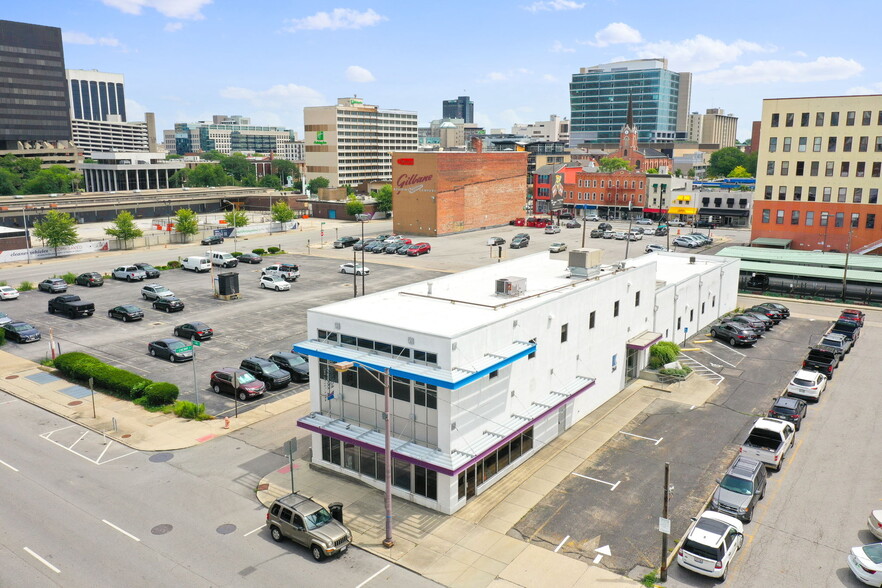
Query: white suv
{"x": 711, "y": 544}
{"x": 274, "y": 283}
{"x": 155, "y": 292}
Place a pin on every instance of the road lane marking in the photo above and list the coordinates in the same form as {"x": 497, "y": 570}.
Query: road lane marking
{"x": 43, "y": 561}
{"x": 7, "y": 465}
{"x": 657, "y": 441}
{"x": 601, "y": 551}
{"x": 127, "y": 534}
{"x": 255, "y": 530}
{"x": 374, "y": 576}
{"x": 559, "y": 545}
{"x": 613, "y": 486}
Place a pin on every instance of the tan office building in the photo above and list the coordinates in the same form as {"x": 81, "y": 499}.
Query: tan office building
{"x": 351, "y": 142}
{"x": 714, "y": 127}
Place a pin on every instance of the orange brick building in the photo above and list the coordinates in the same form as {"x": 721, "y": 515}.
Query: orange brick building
{"x": 441, "y": 193}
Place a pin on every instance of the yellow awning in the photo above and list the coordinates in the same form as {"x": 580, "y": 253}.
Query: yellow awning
{"x": 682, "y": 210}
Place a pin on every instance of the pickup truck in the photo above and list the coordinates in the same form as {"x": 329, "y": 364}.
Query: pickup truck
{"x": 288, "y": 271}
{"x": 838, "y": 344}
{"x": 129, "y": 273}
{"x": 850, "y": 328}
{"x": 71, "y": 305}
{"x": 821, "y": 360}
{"x": 769, "y": 441}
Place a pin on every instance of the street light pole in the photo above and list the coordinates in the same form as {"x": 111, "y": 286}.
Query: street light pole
{"x": 362, "y": 257}
{"x": 24, "y": 216}
{"x": 847, "y": 253}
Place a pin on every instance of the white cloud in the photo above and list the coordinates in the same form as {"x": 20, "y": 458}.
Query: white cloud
{"x": 800, "y": 54}
{"x": 339, "y": 18}
{"x": 871, "y": 89}
{"x": 821, "y": 69}
{"x": 559, "y": 47}
{"x": 549, "y": 78}
{"x": 189, "y": 9}
{"x": 544, "y": 5}
{"x": 283, "y": 96}
{"x": 700, "y": 53}
{"x": 134, "y": 110}
{"x": 355, "y": 73}
{"x": 506, "y": 76}
{"x": 173, "y": 27}
{"x": 615, "y": 33}
{"x": 77, "y": 38}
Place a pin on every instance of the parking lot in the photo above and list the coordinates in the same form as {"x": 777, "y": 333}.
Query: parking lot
{"x": 615, "y": 497}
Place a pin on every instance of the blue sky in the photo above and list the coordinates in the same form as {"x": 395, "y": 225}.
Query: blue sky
{"x": 188, "y": 59}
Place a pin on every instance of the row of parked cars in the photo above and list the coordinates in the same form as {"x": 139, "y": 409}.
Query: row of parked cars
{"x": 391, "y": 244}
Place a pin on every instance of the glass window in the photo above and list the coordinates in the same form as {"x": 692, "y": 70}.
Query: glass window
{"x": 782, "y": 192}
{"x": 348, "y": 340}
{"x": 855, "y": 220}
{"x": 828, "y": 191}
{"x": 828, "y": 171}
{"x": 787, "y": 141}
{"x": 860, "y": 168}
{"x": 785, "y": 168}
{"x": 878, "y": 145}
{"x": 768, "y": 193}
{"x": 843, "y": 169}
{"x": 401, "y": 474}
{"x": 776, "y": 119}
{"x": 804, "y": 119}
{"x": 874, "y": 195}
{"x": 842, "y": 194}
{"x": 770, "y": 168}
{"x": 824, "y": 217}
{"x": 840, "y": 219}
{"x": 809, "y": 218}
{"x": 400, "y": 389}
{"x": 368, "y": 462}
{"x": 503, "y": 457}
{"x": 773, "y": 144}
{"x": 779, "y": 220}
{"x": 800, "y": 168}
{"x": 766, "y": 213}
{"x": 816, "y": 144}
{"x": 871, "y": 221}
{"x": 563, "y": 332}
{"x": 350, "y": 456}
{"x": 819, "y": 119}
{"x": 857, "y": 195}
{"x": 789, "y": 120}
{"x": 863, "y": 144}
{"x": 877, "y": 168}
{"x": 846, "y": 143}
{"x": 834, "y": 119}
{"x": 637, "y": 298}
{"x": 425, "y": 482}
{"x": 867, "y": 118}
{"x": 794, "y": 217}
{"x": 812, "y": 193}
{"x": 591, "y": 317}
{"x": 797, "y": 193}
{"x": 616, "y": 308}
{"x": 849, "y": 118}
{"x": 815, "y": 167}
{"x": 831, "y": 144}
{"x": 803, "y": 144}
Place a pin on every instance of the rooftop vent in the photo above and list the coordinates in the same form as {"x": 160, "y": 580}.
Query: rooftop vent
{"x": 584, "y": 262}
{"x": 511, "y": 286}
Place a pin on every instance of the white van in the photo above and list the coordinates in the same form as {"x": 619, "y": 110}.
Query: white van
{"x": 222, "y": 259}
{"x": 196, "y": 264}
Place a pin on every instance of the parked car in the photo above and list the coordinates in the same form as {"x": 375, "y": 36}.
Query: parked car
{"x": 661, "y": 231}
{"x": 249, "y": 258}
{"x": 8, "y": 293}
{"x": 652, "y": 248}
{"x": 766, "y": 321}
{"x": 838, "y": 344}
{"x": 592, "y": 218}
{"x": 293, "y": 363}
{"x": 565, "y": 216}
{"x": 354, "y": 268}
{"x": 705, "y": 224}
{"x": 418, "y": 249}
{"x": 495, "y": 241}
{"x": 266, "y": 371}
{"x": 684, "y": 241}
{"x": 557, "y": 247}
{"x": 237, "y": 382}
{"x": 403, "y": 249}
{"x": 168, "y": 304}
{"x": 821, "y": 360}
{"x": 749, "y": 321}
{"x": 287, "y": 271}
{"x": 196, "y": 263}
{"x": 702, "y": 238}
{"x": 155, "y": 291}
{"x": 711, "y": 544}
{"x": 621, "y": 235}
{"x": 596, "y": 234}
{"x": 392, "y": 248}
{"x": 775, "y": 316}
{"x": 126, "y": 313}
{"x": 865, "y": 562}
{"x": 71, "y": 305}
{"x": 171, "y": 349}
{"x": 552, "y": 229}
{"x": 605, "y": 227}
{"x": 734, "y": 333}
{"x": 89, "y": 279}
{"x": 573, "y": 224}
{"x": 609, "y": 234}
{"x": 849, "y": 329}
{"x": 740, "y": 489}
{"x": 276, "y": 283}
{"x": 782, "y": 310}
{"x": 151, "y": 271}
{"x": 769, "y": 441}
{"x": 789, "y": 409}
{"x": 195, "y": 330}
{"x": 635, "y": 234}
{"x": 309, "y": 524}
{"x": 874, "y": 523}
{"x": 375, "y": 247}
{"x": 519, "y": 243}
{"x": 676, "y": 223}
{"x": 362, "y": 244}
{"x": 852, "y": 314}
{"x": 53, "y": 286}
{"x": 4, "y": 319}
{"x": 807, "y": 384}
{"x": 212, "y": 240}
{"x": 129, "y": 273}
{"x": 522, "y": 236}
{"x": 644, "y": 221}
{"x": 21, "y": 332}
{"x": 343, "y": 242}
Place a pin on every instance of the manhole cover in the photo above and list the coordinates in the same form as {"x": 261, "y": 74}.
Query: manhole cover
{"x": 226, "y": 529}
{"x": 74, "y": 402}
{"x": 11, "y": 377}
{"x": 126, "y": 436}
{"x": 161, "y": 529}
{"x": 161, "y": 457}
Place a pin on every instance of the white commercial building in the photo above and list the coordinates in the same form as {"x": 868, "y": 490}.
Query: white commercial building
{"x": 114, "y": 172}
{"x": 487, "y": 366}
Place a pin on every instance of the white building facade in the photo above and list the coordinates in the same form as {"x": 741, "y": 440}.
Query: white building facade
{"x": 487, "y": 366}
{"x": 119, "y": 171}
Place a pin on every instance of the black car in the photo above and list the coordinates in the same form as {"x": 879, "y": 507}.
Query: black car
{"x": 151, "y": 271}
{"x": 249, "y": 258}
{"x": 749, "y": 321}
{"x": 573, "y": 224}
{"x": 195, "y": 330}
{"x": 604, "y": 227}
{"x": 734, "y": 333}
{"x": 53, "y": 285}
{"x": 596, "y": 234}
{"x": 212, "y": 240}
{"x": 661, "y": 231}
{"x": 782, "y": 310}
{"x": 266, "y": 371}
{"x": 375, "y": 247}
{"x": 345, "y": 242}
{"x": 21, "y": 332}
{"x": 789, "y": 409}
{"x": 518, "y": 243}
{"x": 494, "y": 241}
{"x": 293, "y": 363}
{"x": 775, "y": 316}
{"x": 705, "y": 224}
{"x": 171, "y": 349}
{"x": 522, "y": 236}
{"x": 168, "y": 304}
{"x": 362, "y": 244}
{"x": 89, "y": 279}
{"x": 126, "y": 313}
{"x": 766, "y": 321}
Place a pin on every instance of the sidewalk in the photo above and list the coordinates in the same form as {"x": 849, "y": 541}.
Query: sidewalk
{"x": 469, "y": 549}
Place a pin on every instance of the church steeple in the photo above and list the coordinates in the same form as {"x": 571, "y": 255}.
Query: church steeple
{"x": 628, "y": 134}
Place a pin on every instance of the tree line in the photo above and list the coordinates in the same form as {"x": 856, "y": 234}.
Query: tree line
{"x": 233, "y": 170}
{"x": 24, "y": 175}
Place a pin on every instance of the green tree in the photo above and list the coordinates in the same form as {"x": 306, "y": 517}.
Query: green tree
{"x": 270, "y": 181}
{"x": 238, "y": 166}
{"x": 186, "y": 223}
{"x": 383, "y": 196}
{"x": 739, "y": 172}
{"x": 8, "y": 182}
{"x": 179, "y": 178}
{"x": 56, "y": 229}
{"x": 55, "y": 179}
{"x": 350, "y": 191}
{"x": 124, "y": 228}
{"x": 285, "y": 168}
{"x": 213, "y": 155}
{"x": 751, "y": 163}
{"x": 173, "y": 156}
{"x": 722, "y": 162}
{"x": 652, "y": 170}
{"x": 354, "y": 206}
{"x": 316, "y": 183}
{"x": 22, "y": 168}
{"x": 691, "y": 173}
{"x": 208, "y": 174}
{"x": 236, "y": 218}
{"x": 611, "y": 164}
{"x": 281, "y": 212}
{"x": 678, "y": 173}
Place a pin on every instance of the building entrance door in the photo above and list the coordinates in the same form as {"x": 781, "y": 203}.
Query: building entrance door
{"x": 631, "y": 364}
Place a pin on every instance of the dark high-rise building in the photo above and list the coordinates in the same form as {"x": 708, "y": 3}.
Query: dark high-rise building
{"x": 462, "y": 107}
{"x": 33, "y": 88}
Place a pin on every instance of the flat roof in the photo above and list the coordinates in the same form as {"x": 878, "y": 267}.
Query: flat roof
{"x": 872, "y": 263}
{"x": 771, "y": 242}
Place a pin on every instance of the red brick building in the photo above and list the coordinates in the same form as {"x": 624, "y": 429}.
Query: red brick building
{"x": 441, "y": 193}
{"x": 640, "y": 159}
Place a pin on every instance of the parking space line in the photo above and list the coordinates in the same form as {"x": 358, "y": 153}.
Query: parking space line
{"x": 732, "y": 349}
{"x": 47, "y": 437}
{"x": 42, "y": 561}
{"x": 78, "y": 440}
{"x": 692, "y": 362}
{"x": 612, "y": 486}
{"x": 255, "y": 530}
{"x": 8, "y": 402}
{"x": 561, "y": 544}
{"x": 657, "y": 441}
{"x": 7, "y": 465}
{"x": 386, "y": 567}
{"x": 105, "y": 521}
{"x": 719, "y": 358}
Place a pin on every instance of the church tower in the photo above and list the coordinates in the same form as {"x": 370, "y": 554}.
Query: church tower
{"x": 628, "y": 134}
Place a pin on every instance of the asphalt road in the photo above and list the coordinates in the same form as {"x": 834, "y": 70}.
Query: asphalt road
{"x": 77, "y": 512}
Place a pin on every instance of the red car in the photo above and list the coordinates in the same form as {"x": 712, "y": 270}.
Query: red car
{"x": 418, "y": 249}
{"x": 853, "y": 314}
{"x": 246, "y": 386}
{"x": 518, "y": 222}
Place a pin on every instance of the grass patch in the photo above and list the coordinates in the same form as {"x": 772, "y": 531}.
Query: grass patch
{"x": 649, "y": 579}
{"x": 25, "y": 286}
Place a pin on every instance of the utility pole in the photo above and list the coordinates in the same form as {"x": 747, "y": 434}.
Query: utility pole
{"x": 847, "y": 253}
{"x": 664, "y": 554}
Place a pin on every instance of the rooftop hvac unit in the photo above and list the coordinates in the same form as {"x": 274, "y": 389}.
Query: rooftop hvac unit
{"x": 511, "y": 286}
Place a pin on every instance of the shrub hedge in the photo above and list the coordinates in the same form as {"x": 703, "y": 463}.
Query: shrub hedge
{"x": 662, "y": 353}
{"x": 259, "y": 251}
{"x": 190, "y": 410}
{"x": 174, "y": 264}
{"x": 25, "y": 286}
{"x": 69, "y": 278}
{"x": 160, "y": 393}
{"x": 81, "y": 366}
{"x": 273, "y": 250}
